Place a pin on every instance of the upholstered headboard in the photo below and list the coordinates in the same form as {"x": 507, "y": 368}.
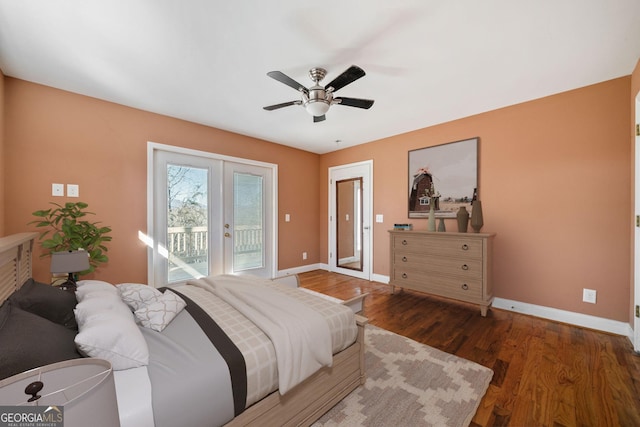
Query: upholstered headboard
{"x": 16, "y": 252}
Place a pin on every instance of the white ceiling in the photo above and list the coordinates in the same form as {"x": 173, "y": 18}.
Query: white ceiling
{"x": 427, "y": 61}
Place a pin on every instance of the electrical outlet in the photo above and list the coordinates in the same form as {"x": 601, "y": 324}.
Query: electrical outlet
{"x": 304, "y": 255}
{"x": 589, "y": 295}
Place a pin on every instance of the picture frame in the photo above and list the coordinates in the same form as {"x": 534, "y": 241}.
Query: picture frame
{"x": 451, "y": 169}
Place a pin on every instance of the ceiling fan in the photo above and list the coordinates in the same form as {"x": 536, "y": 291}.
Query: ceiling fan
{"x": 317, "y": 99}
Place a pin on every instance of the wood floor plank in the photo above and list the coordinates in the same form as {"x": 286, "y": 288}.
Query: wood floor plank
{"x": 545, "y": 373}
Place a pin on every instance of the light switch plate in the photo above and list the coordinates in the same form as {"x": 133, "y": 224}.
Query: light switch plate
{"x": 73, "y": 190}
{"x": 57, "y": 190}
{"x": 379, "y": 218}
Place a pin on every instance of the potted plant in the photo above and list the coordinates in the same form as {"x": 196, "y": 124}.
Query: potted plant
{"x": 69, "y": 230}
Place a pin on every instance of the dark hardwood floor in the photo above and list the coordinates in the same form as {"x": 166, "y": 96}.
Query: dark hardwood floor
{"x": 545, "y": 373}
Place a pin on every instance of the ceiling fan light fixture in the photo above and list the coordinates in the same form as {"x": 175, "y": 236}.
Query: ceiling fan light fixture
{"x": 317, "y": 107}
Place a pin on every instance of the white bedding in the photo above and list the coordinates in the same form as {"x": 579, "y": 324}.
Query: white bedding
{"x": 300, "y": 335}
{"x": 133, "y": 390}
{"x": 255, "y": 346}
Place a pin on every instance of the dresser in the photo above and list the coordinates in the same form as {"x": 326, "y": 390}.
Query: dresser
{"x": 451, "y": 265}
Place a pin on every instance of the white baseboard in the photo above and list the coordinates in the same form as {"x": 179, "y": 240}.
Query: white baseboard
{"x": 564, "y": 316}
{"x": 380, "y": 278}
{"x": 301, "y": 269}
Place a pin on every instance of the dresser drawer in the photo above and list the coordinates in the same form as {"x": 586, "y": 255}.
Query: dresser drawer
{"x": 447, "y": 286}
{"x": 448, "y": 247}
{"x": 460, "y": 267}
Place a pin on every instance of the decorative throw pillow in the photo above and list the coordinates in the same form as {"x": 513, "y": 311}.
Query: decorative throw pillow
{"x": 28, "y": 341}
{"x": 46, "y": 301}
{"x": 137, "y": 295}
{"x": 158, "y": 314}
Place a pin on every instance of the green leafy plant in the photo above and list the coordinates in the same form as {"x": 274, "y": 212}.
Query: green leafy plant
{"x": 69, "y": 230}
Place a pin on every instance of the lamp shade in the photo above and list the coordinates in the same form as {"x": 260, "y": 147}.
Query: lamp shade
{"x": 69, "y": 262}
{"x": 84, "y": 388}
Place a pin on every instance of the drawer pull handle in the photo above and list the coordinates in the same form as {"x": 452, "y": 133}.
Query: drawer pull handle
{"x": 404, "y": 275}
{"x": 465, "y": 247}
{"x": 465, "y": 286}
{"x": 404, "y": 259}
{"x": 404, "y": 242}
{"x": 465, "y": 267}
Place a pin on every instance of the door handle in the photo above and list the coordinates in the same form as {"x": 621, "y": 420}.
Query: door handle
{"x": 227, "y": 234}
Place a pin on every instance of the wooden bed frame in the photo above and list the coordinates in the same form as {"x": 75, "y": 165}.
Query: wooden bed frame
{"x": 300, "y": 407}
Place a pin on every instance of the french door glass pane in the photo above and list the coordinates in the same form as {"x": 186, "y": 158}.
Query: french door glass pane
{"x": 187, "y": 222}
{"x": 248, "y": 232}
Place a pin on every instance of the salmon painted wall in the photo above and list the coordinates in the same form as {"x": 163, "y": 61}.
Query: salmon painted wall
{"x": 554, "y": 182}
{"x": 56, "y": 136}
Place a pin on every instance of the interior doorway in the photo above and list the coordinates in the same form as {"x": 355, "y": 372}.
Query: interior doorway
{"x": 350, "y": 207}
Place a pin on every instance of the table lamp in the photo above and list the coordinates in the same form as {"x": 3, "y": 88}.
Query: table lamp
{"x": 69, "y": 262}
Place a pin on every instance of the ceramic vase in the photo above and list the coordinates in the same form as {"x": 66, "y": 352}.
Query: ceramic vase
{"x": 431, "y": 224}
{"x": 463, "y": 219}
{"x": 476, "y": 216}
{"x": 441, "y": 227}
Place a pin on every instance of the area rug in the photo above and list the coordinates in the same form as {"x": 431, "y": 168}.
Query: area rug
{"x": 410, "y": 384}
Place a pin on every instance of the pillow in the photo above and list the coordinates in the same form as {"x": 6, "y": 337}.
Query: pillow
{"x": 107, "y": 330}
{"x": 91, "y": 306}
{"x": 157, "y": 315}
{"x": 137, "y": 295}
{"x": 87, "y": 287}
{"x": 28, "y": 341}
{"x": 47, "y": 301}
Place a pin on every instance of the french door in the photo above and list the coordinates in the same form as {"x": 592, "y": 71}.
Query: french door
{"x": 209, "y": 215}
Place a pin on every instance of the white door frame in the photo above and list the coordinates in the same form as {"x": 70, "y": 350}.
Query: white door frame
{"x": 154, "y": 251}
{"x": 362, "y": 169}
{"x": 636, "y": 234}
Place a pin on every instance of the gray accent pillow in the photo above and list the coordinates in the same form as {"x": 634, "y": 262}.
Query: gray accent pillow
{"x": 28, "y": 341}
{"x": 47, "y": 301}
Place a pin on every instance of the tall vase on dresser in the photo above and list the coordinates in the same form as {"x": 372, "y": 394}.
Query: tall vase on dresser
{"x": 476, "y": 216}
{"x": 431, "y": 224}
{"x": 463, "y": 219}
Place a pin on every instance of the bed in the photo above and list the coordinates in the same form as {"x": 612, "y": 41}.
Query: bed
{"x": 299, "y": 396}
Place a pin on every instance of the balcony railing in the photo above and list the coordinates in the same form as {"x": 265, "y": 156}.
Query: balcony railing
{"x": 190, "y": 244}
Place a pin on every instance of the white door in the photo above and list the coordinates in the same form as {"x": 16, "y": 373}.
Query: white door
{"x": 247, "y": 230}
{"x": 350, "y": 219}
{"x": 209, "y": 215}
{"x": 636, "y": 328}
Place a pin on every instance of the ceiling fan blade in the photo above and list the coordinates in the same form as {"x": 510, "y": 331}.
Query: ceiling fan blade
{"x": 283, "y": 78}
{"x": 284, "y": 104}
{"x": 350, "y": 75}
{"x": 354, "y": 102}
{"x": 317, "y": 119}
